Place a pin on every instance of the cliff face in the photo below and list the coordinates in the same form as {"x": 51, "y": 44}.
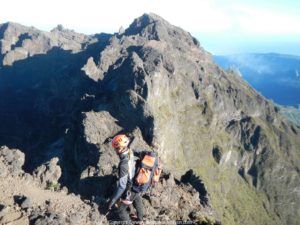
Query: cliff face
{"x": 155, "y": 82}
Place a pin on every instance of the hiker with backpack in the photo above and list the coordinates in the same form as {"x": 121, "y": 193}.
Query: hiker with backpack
{"x": 137, "y": 172}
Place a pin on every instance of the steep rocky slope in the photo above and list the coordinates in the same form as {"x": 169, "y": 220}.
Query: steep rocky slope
{"x": 155, "y": 82}
{"x": 43, "y": 87}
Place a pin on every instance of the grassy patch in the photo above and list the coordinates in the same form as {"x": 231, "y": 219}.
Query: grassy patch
{"x": 53, "y": 186}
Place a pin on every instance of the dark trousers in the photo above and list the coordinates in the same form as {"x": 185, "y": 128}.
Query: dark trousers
{"x": 138, "y": 205}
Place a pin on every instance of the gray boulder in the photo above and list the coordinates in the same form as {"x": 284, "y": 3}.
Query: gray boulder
{"x": 11, "y": 161}
{"x": 48, "y": 174}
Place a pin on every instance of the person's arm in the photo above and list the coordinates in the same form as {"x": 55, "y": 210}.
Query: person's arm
{"x": 120, "y": 190}
{"x": 122, "y": 184}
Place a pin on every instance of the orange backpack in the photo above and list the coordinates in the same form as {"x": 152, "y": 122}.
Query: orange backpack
{"x": 148, "y": 172}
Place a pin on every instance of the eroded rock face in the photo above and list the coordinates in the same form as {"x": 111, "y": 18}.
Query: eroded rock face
{"x": 156, "y": 83}
{"x": 48, "y": 173}
{"x": 11, "y": 161}
{"x": 45, "y": 87}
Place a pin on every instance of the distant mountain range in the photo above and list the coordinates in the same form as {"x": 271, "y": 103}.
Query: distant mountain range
{"x": 276, "y": 76}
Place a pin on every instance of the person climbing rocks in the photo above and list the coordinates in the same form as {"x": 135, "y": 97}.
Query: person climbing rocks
{"x": 124, "y": 195}
{"x": 138, "y": 172}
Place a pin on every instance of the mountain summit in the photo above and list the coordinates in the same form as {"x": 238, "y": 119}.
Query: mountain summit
{"x": 155, "y": 27}
{"x": 228, "y": 154}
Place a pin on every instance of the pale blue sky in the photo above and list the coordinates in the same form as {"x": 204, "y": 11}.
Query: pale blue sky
{"x": 221, "y": 26}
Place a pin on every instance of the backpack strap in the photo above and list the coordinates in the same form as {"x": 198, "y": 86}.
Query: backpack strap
{"x": 131, "y": 165}
{"x": 157, "y": 172}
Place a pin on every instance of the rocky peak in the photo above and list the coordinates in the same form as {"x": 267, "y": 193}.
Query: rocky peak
{"x": 61, "y": 32}
{"x": 12, "y": 30}
{"x": 58, "y": 28}
{"x": 12, "y": 40}
{"x": 155, "y": 27}
{"x": 143, "y": 22}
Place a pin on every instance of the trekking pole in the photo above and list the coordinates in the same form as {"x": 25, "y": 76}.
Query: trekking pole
{"x": 105, "y": 215}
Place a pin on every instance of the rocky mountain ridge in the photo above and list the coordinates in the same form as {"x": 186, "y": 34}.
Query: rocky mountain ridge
{"x": 157, "y": 84}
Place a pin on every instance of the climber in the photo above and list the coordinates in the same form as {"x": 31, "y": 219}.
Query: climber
{"x": 124, "y": 196}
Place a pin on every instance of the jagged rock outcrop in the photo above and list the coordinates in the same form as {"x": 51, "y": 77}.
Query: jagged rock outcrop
{"x": 48, "y": 173}
{"x": 19, "y": 42}
{"x": 157, "y": 84}
{"x": 11, "y": 161}
{"x": 44, "y": 88}
{"x": 25, "y": 201}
